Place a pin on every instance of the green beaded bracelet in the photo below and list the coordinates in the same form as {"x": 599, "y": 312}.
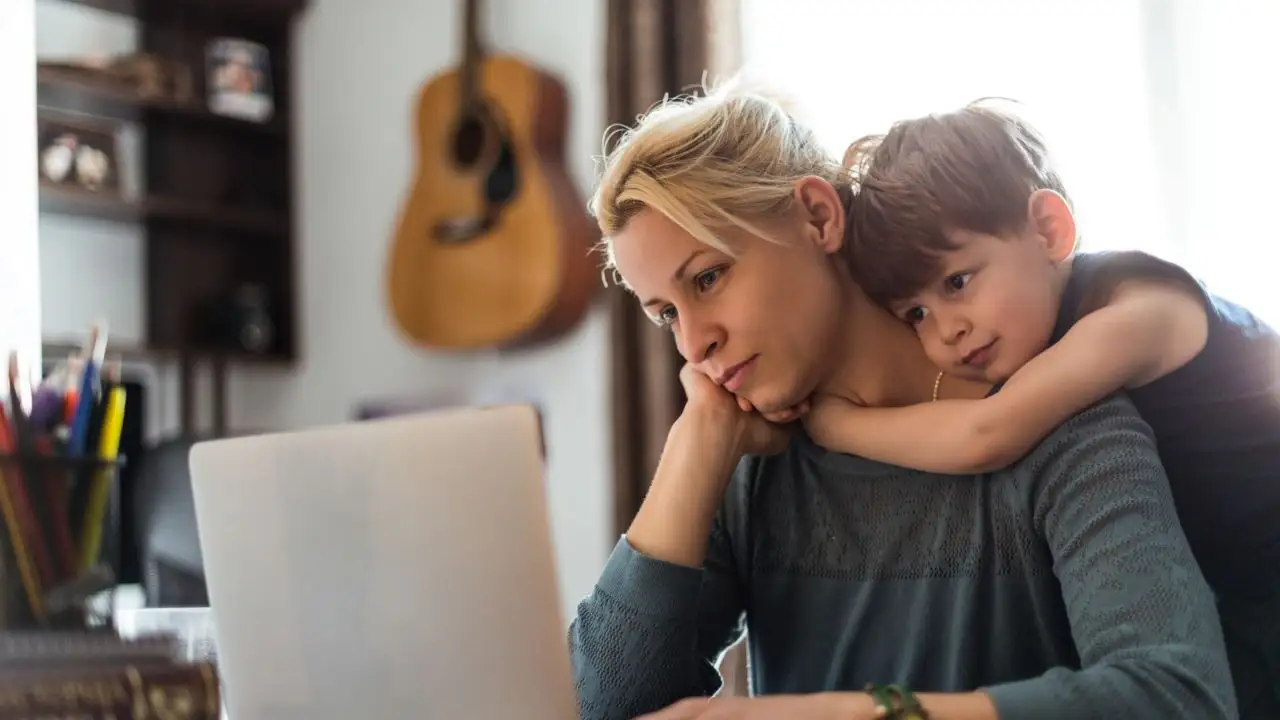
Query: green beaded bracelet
{"x": 898, "y": 702}
{"x": 909, "y": 707}
{"x": 883, "y": 699}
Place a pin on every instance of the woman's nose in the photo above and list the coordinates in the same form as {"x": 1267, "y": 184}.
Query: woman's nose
{"x": 698, "y": 339}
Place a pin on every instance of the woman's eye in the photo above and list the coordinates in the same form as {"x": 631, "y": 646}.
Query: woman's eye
{"x": 958, "y": 281}
{"x": 705, "y": 279}
{"x": 667, "y": 315}
{"x": 915, "y": 315}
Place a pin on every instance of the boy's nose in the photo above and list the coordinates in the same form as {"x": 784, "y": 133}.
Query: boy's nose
{"x": 954, "y": 329}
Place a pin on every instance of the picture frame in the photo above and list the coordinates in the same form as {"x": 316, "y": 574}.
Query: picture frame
{"x": 81, "y": 154}
{"x": 238, "y": 79}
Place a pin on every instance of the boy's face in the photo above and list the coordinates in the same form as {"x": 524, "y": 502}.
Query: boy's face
{"x": 994, "y": 305}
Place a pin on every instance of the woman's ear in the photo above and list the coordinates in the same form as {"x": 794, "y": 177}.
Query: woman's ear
{"x": 1053, "y": 223}
{"x": 822, "y": 212}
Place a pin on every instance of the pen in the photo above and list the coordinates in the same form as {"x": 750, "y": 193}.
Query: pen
{"x": 24, "y": 535}
{"x": 46, "y": 404}
{"x": 19, "y": 405}
{"x": 99, "y": 494}
{"x": 94, "y": 355}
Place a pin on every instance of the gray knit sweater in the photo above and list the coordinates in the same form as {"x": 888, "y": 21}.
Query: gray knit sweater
{"x": 1062, "y": 585}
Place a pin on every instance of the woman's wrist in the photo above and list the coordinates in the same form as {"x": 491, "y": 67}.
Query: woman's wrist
{"x": 674, "y": 520}
{"x": 845, "y": 706}
{"x": 716, "y": 435}
{"x": 975, "y": 705}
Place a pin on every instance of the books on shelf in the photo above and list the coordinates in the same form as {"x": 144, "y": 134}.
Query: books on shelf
{"x": 101, "y": 675}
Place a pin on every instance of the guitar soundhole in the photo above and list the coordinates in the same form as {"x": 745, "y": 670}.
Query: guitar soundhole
{"x": 481, "y": 144}
{"x": 468, "y": 141}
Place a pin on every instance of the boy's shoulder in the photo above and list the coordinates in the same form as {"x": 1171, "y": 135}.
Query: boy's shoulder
{"x": 1103, "y": 270}
{"x": 1094, "y": 277}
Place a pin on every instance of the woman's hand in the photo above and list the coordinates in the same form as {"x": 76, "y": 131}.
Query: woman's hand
{"x": 823, "y": 706}
{"x": 747, "y": 432}
{"x": 702, "y": 449}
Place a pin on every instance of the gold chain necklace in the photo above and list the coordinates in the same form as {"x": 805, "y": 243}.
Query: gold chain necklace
{"x": 937, "y": 385}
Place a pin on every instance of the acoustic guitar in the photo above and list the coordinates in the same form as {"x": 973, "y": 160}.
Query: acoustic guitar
{"x": 493, "y": 245}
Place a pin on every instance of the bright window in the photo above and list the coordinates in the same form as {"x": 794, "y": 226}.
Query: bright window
{"x": 1161, "y": 114}
{"x": 1077, "y": 68}
{"x": 1229, "y": 98}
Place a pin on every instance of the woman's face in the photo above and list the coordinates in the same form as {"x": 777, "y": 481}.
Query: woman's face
{"x": 762, "y": 323}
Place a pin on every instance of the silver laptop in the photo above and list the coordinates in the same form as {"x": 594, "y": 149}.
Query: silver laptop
{"x": 396, "y": 568}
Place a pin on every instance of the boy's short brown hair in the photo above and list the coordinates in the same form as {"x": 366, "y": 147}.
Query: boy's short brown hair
{"x": 971, "y": 169}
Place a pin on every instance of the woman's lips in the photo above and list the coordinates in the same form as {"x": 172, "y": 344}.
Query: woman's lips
{"x": 736, "y": 376}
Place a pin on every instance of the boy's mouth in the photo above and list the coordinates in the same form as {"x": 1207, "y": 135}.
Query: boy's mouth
{"x": 978, "y": 357}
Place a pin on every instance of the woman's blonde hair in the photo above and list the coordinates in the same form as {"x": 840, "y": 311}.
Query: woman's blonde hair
{"x": 725, "y": 159}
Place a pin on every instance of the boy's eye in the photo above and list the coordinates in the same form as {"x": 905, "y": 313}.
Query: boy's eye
{"x": 958, "y": 281}
{"x": 705, "y": 279}
{"x": 915, "y": 315}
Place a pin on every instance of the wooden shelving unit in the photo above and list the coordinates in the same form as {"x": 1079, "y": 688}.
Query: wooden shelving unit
{"x": 273, "y": 11}
{"x": 70, "y": 93}
{"x": 216, "y": 207}
{"x": 54, "y": 199}
{"x": 147, "y": 353}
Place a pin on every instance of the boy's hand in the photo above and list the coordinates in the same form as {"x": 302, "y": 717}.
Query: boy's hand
{"x": 827, "y": 421}
{"x": 782, "y": 417}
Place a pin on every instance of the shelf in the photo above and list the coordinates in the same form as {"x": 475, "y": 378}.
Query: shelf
{"x": 260, "y": 10}
{"x": 64, "y": 201}
{"x": 214, "y": 199}
{"x": 64, "y": 91}
{"x": 119, "y": 7}
{"x": 61, "y": 201}
{"x": 57, "y": 348}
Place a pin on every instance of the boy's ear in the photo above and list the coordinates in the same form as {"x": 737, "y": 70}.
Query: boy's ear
{"x": 1054, "y": 223}
{"x": 822, "y": 212}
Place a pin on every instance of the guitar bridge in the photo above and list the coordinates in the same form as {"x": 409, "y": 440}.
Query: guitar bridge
{"x": 459, "y": 230}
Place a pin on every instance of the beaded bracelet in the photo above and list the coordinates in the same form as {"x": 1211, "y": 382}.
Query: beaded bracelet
{"x": 897, "y": 702}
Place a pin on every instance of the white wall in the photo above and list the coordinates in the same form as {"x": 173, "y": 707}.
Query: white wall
{"x": 357, "y": 70}
{"x": 1224, "y": 60}
{"x": 19, "y": 253}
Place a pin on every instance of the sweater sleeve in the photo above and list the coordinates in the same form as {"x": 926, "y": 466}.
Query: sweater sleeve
{"x": 1143, "y": 618}
{"x": 652, "y": 632}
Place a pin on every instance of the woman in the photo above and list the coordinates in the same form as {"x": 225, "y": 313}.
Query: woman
{"x": 1060, "y": 587}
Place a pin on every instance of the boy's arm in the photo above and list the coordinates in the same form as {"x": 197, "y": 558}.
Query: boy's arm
{"x": 1145, "y": 331}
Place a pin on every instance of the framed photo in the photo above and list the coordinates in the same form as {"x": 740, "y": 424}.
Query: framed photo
{"x": 238, "y": 79}
{"x": 79, "y": 154}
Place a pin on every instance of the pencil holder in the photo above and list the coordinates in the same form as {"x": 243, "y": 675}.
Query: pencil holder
{"x": 56, "y": 564}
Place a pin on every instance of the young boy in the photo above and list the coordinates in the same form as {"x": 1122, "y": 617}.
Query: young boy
{"x": 963, "y": 229}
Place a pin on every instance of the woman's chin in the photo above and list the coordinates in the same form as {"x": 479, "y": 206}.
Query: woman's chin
{"x": 767, "y": 403}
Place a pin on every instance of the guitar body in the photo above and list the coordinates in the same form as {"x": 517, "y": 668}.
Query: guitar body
{"x": 494, "y": 246}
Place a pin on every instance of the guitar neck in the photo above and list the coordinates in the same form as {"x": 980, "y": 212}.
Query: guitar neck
{"x": 472, "y": 53}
